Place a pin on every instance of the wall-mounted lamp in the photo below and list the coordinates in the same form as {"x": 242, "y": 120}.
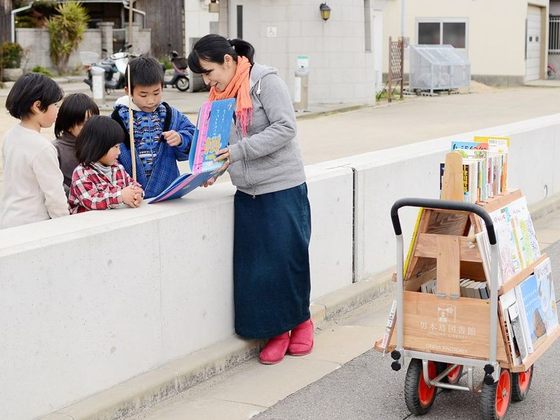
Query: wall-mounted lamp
{"x": 325, "y": 11}
{"x": 213, "y": 6}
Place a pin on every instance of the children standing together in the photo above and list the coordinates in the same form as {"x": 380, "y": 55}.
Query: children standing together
{"x": 84, "y": 168}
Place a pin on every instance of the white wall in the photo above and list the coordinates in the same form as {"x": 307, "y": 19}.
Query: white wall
{"x": 197, "y": 20}
{"x": 89, "y": 301}
{"x": 340, "y": 68}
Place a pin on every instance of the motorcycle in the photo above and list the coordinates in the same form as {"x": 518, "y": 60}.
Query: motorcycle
{"x": 179, "y": 80}
{"x": 114, "y": 67}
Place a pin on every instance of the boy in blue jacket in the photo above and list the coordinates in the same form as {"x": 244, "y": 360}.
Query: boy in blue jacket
{"x": 162, "y": 134}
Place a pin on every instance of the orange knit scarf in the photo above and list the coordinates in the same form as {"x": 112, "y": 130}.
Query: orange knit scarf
{"x": 238, "y": 88}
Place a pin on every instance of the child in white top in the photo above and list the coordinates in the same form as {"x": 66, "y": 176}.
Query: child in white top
{"x": 33, "y": 182}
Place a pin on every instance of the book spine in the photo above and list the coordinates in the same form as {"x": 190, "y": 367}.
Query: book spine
{"x": 389, "y": 326}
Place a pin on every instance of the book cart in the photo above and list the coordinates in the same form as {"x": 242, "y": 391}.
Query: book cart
{"x": 444, "y": 335}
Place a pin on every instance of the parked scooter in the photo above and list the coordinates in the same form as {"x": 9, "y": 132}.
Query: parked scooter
{"x": 115, "y": 67}
{"x": 179, "y": 80}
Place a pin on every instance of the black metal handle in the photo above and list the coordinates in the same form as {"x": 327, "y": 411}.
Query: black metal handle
{"x": 441, "y": 205}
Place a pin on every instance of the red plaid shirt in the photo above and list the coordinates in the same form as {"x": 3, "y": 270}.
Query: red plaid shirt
{"x": 92, "y": 190}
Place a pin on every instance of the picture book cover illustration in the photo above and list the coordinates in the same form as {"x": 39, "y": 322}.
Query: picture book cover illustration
{"x": 532, "y": 318}
{"x": 211, "y": 134}
{"x": 545, "y": 287}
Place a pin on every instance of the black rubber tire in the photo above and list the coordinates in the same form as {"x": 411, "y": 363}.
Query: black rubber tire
{"x": 411, "y": 389}
{"x": 488, "y": 399}
{"x": 517, "y": 393}
{"x": 182, "y": 83}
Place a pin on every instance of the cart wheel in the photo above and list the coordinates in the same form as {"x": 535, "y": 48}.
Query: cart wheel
{"x": 453, "y": 376}
{"x": 418, "y": 395}
{"x": 520, "y": 384}
{"x": 494, "y": 399}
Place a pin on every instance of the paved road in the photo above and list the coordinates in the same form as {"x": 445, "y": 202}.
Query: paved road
{"x": 367, "y": 388}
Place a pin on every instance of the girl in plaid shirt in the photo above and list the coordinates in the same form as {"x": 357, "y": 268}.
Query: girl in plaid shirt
{"x": 99, "y": 182}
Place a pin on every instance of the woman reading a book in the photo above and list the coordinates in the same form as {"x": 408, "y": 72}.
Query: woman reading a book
{"x": 272, "y": 215}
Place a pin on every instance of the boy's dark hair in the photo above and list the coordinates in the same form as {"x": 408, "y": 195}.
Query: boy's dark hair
{"x": 144, "y": 71}
{"x": 28, "y": 89}
{"x": 213, "y": 47}
{"x": 96, "y": 138}
{"x": 73, "y": 111}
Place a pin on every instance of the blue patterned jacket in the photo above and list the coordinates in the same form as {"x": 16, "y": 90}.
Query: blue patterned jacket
{"x": 164, "y": 168}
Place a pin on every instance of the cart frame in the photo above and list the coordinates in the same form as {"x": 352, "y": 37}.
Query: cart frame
{"x": 491, "y": 366}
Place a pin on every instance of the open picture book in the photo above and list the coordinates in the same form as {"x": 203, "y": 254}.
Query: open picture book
{"x": 211, "y": 134}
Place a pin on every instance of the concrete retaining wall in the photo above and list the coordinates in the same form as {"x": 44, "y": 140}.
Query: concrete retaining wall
{"x": 89, "y": 301}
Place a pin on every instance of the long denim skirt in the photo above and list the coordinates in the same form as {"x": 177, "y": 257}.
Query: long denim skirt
{"x": 271, "y": 262}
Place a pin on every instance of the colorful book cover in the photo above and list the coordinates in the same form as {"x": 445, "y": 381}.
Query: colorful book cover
{"x": 545, "y": 287}
{"x": 530, "y": 311}
{"x": 510, "y": 262}
{"x": 468, "y": 145}
{"x": 211, "y": 134}
{"x": 524, "y": 232}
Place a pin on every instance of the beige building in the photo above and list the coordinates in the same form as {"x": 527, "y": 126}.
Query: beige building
{"x": 506, "y": 41}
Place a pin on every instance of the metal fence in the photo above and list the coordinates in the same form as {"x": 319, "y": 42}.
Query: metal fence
{"x": 554, "y": 35}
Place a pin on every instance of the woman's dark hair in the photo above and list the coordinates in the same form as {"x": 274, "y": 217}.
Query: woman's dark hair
{"x": 28, "y": 89}
{"x": 214, "y": 47}
{"x": 96, "y": 138}
{"x": 73, "y": 111}
{"x": 144, "y": 71}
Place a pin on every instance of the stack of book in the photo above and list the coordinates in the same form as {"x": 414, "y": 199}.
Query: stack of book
{"x": 469, "y": 288}
{"x": 484, "y": 167}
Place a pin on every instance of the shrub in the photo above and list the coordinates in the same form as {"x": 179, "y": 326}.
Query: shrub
{"x": 11, "y": 54}
{"x": 66, "y": 32}
{"x": 42, "y": 70}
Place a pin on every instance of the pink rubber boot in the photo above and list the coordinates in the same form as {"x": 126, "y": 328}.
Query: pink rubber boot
{"x": 275, "y": 350}
{"x": 301, "y": 339}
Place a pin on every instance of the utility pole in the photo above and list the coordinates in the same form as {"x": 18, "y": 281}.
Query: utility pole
{"x": 130, "y": 18}
{"x": 403, "y": 8}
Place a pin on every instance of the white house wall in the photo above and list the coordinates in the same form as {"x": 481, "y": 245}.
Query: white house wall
{"x": 340, "y": 68}
{"x": 198, "y": 20}
{"x": 495, "y": 30}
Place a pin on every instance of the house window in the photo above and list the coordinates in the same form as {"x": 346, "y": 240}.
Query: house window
{"x": 437, "y": 32}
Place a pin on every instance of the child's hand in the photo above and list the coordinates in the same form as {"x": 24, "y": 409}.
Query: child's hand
{"x": 138, "y": 195}
{"x": 131, "y": 196}
{"x": 172, "y": 138}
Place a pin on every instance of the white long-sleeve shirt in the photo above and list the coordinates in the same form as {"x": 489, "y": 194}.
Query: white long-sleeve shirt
{"x": 33, "y": 182}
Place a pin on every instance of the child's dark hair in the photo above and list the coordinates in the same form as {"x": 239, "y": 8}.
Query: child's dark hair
{"x": 96, "y": 138}
{"x": 73, "y": 111}
{"x": 28, "y": 89}
{"x": 213, "y": 47}
{"x": 144, "y": 71}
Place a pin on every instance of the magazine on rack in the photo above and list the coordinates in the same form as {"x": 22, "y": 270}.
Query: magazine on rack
{"x": 211, "y": 134}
